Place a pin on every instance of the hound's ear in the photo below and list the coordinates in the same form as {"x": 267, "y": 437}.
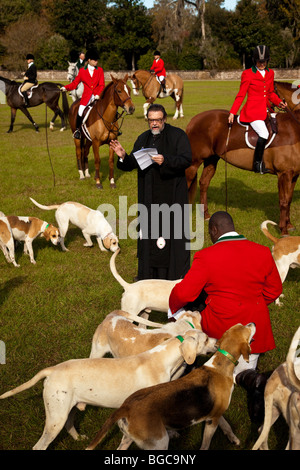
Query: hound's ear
{"x": 246, "y": 351}
{"x": 189, "y": 350}
{"x": 126, "y": 77}
{"x": 46, "y": 235}
{"x": 106, "y": 243}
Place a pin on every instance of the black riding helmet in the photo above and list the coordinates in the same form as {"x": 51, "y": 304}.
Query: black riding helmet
{"x": 92, "y": 54}
{"x": 29, "y": 57}
{"x": 261, "y": 53}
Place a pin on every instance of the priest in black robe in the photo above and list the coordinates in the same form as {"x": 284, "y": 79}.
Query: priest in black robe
{"x": 163, "y": 244}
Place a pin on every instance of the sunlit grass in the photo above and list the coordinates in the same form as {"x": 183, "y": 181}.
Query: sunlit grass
{"x": 49, "y": 312}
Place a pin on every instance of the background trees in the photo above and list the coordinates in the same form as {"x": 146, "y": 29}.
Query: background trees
{"x": 190, "y": 34}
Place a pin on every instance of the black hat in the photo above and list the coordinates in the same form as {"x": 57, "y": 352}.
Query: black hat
{"x": 261, "y": 53}
{"x": 29, "y": 56}
{"x": 156, "y": 53}
{"x": 92, "y": 54}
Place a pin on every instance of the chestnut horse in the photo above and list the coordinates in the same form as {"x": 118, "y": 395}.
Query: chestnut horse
{"x": 152, "y": 89}
{"x": 208, "y": 133}
{"x": 290, "y": 92}
{"x": 101, "y": 126}
{"x": 47, "y": 92}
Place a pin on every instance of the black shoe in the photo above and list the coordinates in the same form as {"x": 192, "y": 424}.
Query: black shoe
{"x": 25, "y": 96}
{"x": 254, "y": 383}
{"x": 77, "y": 134}
{"x": 259, "y": 167}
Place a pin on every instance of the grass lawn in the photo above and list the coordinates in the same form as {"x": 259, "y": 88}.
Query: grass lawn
{"x": 49, "y": 311}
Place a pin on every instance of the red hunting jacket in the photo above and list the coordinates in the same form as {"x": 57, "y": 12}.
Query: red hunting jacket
{"x": 158, "y": 67}
{"x": 241, "y": 279}
{"x": 259, "y": 90}
{"x": 93, "y": 85}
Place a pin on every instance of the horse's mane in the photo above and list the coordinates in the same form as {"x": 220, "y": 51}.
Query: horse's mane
{"x": 106, "y": 89}
{"x": 286, "y": 85}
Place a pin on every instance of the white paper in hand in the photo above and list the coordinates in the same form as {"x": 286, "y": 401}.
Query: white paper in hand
{"x": 143, "y": 157}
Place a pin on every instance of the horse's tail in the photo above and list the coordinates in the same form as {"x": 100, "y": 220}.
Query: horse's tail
{"x": 65, "y": 103}
{"x": 264, "y": 229}
{"x": 46, "y": 208}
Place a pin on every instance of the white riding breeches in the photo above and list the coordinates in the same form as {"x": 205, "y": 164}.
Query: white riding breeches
{"x": 260, "y": 128}
{"x": 242, "y": 365}
{"x": 82, "y": 106}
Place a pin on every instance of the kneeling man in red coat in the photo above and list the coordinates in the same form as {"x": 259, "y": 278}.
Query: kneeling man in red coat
{"x": 240, "y": 279}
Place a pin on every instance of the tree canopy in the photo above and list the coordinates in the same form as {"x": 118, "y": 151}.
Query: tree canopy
{"x": 190, "y": 34}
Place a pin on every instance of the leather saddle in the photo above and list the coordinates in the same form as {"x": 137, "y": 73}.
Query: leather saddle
{"x": 251, "y": 136}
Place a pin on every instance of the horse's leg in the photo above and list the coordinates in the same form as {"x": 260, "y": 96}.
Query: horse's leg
{"x": 146, "y": 106}
{"x": 210, "y": 166}
{"x": 178, "y": 104}
{"x": 191, "y": 179}
{"x": 28, "y": 115}
{"x": 85, "y": 163}
{"x": 79, "y": 152}
{"x": 13, "y": 113}
{"x": 96, "y": 147}
{"x": 286, "y": 185}
{"x": 53, "y": 120}
{"x": 111, "y": 168}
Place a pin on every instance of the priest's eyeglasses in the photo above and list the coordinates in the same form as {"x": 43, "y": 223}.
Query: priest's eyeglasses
{"x": 155, "y": 120}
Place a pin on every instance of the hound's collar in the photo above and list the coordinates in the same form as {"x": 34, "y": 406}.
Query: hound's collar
{"x": 190, "y": 324}
{"x": 181, "y": 339}
{"x": 46, "y": 225}
{"x": 229, "y": 356}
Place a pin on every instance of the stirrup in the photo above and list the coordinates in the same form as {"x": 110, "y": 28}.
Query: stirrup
{"x": 77, "y": 134}
{"x": 259, "y": 167}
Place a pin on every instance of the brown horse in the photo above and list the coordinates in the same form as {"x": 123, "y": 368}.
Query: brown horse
{"x": 290, "y": 92}
{"x": 208, "y": 133}
{"x": 101, "y": 126}
{"x": 152, "y": 89}
{"x": 46, "y": 92}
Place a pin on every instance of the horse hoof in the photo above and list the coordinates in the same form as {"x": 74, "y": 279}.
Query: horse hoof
{"x": 62, "y": 129}
{"x": 113, "y": 185}
{"x": 99, "y": 186}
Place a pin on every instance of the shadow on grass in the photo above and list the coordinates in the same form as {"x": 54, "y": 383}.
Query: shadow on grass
{"x": 244, "y": 197}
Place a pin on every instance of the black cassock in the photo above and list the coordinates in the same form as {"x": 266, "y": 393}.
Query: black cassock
{"x": 163, "y": 253}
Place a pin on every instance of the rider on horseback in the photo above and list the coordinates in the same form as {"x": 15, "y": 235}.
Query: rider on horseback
{"x": 258, "y": 83}
{"x": 158, "y": 67}
{"x": 30, "y": 77}
{"x": 92, "y": 78}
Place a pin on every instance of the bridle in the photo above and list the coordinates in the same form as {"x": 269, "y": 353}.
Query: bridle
{"x": 111, "y": 126}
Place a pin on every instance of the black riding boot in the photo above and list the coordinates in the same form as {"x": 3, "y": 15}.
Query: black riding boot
{"x": 258, "y": 164}
{"x": 24, "y": 93}
{"x": 254, "y": 383}
{"x": 77, "y": 133}
{"x": 163, "y": 84}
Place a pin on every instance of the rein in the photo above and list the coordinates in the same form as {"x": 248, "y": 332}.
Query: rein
{"x": 288, "y": 110}
{"x": 109, "y": 125}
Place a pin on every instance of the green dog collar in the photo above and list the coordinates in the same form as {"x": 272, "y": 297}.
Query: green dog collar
{"x": 229, "y": 356}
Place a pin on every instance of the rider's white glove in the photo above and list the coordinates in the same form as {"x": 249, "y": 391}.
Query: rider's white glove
{"x": 63, "y": 88}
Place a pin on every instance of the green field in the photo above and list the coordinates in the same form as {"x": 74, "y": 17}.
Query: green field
{"x": 49, "y": 311}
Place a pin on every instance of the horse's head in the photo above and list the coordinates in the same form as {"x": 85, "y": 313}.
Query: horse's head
{"x": 122, "y": 94}
{"x": 72, "y": 71}
{"x": 135, "y": 84}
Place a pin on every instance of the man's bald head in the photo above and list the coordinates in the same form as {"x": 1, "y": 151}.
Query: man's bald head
{"x": 219, "y": 223}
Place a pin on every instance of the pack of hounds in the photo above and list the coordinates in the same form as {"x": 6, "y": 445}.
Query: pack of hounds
{"x": 160, "y": 399}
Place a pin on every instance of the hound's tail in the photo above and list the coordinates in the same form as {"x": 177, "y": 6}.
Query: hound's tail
{"x": 46, "y": 208}
{"x": 290, "y": 358}
{"x": 139, "y": 319}
{"x": 113, "y": 269}
{"x": 264, "y": 229}
{"x": 39, "y": 376}
{"x": 114, "y": 417}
